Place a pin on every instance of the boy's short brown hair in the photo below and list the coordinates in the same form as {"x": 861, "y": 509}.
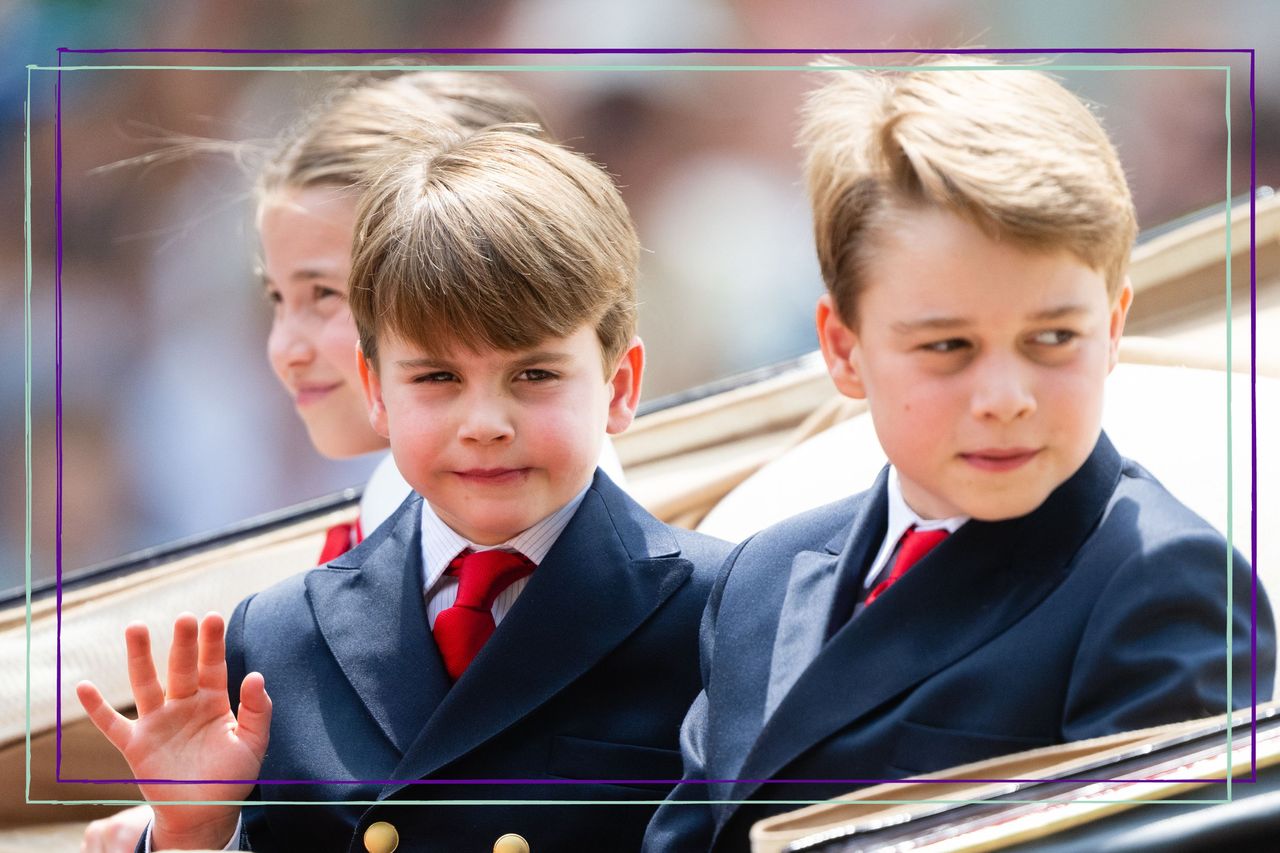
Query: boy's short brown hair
{"x": 499, "y": 240}
{"x": 1011, "y": 151}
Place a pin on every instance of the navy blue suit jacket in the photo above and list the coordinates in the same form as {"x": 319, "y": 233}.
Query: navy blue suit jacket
{"x": 587, "y": 677}
{"x": 1101, "y": 611}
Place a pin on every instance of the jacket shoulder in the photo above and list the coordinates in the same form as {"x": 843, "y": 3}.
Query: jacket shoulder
{"x": 1141, "y": 502}
{"x": 705, "y": 552}
{"x": 810, "y": 530}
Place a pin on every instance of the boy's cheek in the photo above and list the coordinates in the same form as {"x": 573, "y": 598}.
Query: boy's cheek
{"x": 1077, "y": 399}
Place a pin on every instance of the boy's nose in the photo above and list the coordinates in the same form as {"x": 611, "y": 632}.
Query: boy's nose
{"x": 1002, "y": 392}
{"x": 485, "y": 422}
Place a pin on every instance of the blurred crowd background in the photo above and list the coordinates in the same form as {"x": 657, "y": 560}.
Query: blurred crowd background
{"x": 171, "y": 421}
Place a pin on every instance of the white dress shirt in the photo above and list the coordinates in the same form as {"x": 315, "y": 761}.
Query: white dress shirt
{"x": 901, "y": 518}
{"x": 440, "y": 544}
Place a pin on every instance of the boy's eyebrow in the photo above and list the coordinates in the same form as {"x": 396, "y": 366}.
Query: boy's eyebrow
{"x": 436, "y": 362}
{"x": 944, "y": 323}
{"x": 1059, "y": 311}
{"x": 426, "y": 362}
{"x": 545, "y": 357}
{"x": 929, "y": 324}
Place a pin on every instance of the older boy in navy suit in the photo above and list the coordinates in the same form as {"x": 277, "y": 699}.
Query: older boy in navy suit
{"x": 519, "y": 617}
{"x": 1009, "y": 581}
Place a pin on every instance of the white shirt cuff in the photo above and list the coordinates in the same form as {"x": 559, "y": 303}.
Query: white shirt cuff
{"x": 233, "y": 844}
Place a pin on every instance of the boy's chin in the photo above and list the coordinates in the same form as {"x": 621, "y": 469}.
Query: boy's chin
{"x": 488, "y": 528}
{"x": 1004, "y": 507}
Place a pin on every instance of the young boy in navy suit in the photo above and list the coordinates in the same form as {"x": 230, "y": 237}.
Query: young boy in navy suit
{"x": 1009, "y": 581}
{"x": 519, "y": 618}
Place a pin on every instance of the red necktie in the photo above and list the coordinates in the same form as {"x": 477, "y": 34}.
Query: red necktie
{"x": 462, "y": 629}
{"x": 911, "y": 548}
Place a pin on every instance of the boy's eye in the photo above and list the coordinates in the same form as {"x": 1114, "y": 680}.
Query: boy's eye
{"x": 534, "y": 374}
{"x": 433, "y": 377}
{"x": 949, "y": 345}
{"x": 272, "y": 296}
{"x": 321, "y": 292}
{"x": 1054, "y": 337}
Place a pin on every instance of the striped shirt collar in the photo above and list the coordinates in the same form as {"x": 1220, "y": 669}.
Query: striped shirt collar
{"x": 441, "y": 543}
{"x": 902, "y": 518}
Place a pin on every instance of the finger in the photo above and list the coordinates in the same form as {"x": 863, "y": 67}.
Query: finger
{"x": 183, "y": 675}
{"x": 118, "y": 833}
{"x": 92, "y": 840}
{"x": 125, "y": 828}
{"x": 213, "y": 653}
{"x": 147, "y": 693}
{"x": 114, "y": 725}
{"x": 253, "y": 723}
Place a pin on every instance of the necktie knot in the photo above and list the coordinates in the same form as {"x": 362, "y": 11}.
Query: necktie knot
{"x": 462, "y": 629}
{"x": 911, "y": 549}
{"x": 483, "y": 575}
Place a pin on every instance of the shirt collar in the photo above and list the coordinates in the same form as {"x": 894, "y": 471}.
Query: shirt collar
{"x": 901, "y": 519}
{"x": 441, "y": 543}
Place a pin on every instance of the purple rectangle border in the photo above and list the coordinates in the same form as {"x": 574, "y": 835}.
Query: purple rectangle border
{"x": 1253, "y": 342}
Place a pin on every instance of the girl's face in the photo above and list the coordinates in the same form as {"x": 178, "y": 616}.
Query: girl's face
{"x": 306, "y": 245}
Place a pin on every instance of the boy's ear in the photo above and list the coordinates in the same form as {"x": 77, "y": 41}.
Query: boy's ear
{"x": 839, "y": 345}
{"x": 372, "y": 394}
{"x": 626, "y": 387}
{"x": 1119, "y": 310}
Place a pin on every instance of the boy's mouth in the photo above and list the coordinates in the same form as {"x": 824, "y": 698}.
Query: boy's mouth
{"x": 1000, "y": 458}
{"x": 308, "y": 394}
{"x": 492, "y": 476}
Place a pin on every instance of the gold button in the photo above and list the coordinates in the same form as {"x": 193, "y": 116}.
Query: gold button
{"x": 511, "y": 843}
{"x": 381, "y": 837}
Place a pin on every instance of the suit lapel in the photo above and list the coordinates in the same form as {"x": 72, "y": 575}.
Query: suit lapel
{"x": 610, "y": 569}
{"x": 800, "y": 635}
{"x": 368, "y": 604}
{"x": 744, "y": 694}
{"x": 817, "y": 578}
{"x": 969, "y": 589}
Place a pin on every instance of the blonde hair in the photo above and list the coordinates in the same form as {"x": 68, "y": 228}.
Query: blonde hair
{"x": 1011, "y": 151}
{"x": 342, "y": 140}
{"x": 496, "y": 240}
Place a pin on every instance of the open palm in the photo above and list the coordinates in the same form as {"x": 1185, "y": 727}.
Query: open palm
{"x": 185, "y": 732}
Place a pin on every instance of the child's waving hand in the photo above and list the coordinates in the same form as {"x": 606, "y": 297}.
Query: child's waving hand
{"x": 187, "y": 732}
